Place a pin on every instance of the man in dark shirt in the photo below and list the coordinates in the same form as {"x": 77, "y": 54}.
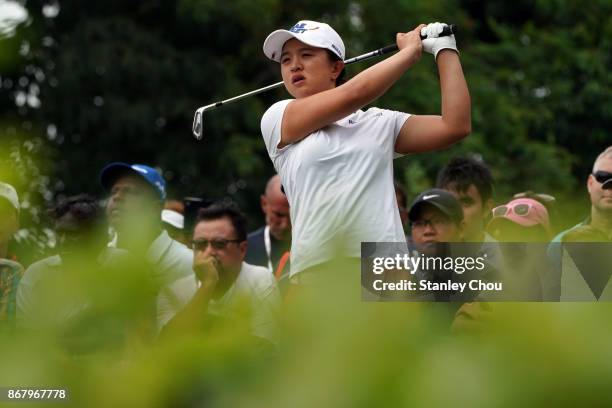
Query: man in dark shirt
{"x": 268, "y": 244}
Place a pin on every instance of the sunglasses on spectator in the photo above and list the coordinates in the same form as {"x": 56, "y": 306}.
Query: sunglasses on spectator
{"x": 202, "y": 244}
{"x": 602, "y": 176}
{"x": 518, "y": 209}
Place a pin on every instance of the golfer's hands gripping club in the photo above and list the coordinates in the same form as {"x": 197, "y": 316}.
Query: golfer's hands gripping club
{"x": 433, "y": 43}
{"x": 410, "y": 43}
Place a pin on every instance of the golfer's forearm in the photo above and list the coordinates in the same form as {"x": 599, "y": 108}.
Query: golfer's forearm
{"x": 372, "y": 83}
{"x": 307, "y": 115}
{"x": 456, "y": 105}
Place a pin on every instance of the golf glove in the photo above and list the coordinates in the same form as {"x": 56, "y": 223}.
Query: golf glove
{"x": 434, "y": 44}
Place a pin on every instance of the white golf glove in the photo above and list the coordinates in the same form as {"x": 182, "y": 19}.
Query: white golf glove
{"x": 434, "y": 44}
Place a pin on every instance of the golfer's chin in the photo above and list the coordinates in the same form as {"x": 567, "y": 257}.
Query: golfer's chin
{"x": 298, "y": 92}
{"x": 302, "y": 90}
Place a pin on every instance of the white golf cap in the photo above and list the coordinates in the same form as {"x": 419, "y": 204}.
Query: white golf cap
{"x": 173, "y": 218}
{"x": 313, "y": 33}
{"x": 8, "y": 192}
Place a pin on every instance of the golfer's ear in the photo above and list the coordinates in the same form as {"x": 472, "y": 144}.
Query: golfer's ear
{"x": 263, "y": 202}
{"x": 338, "y": 67}
{"x": 244, "y": 245}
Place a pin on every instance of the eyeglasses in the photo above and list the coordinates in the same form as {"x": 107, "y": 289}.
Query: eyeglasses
{"x": 202, "y": 244}
{"x": 434, "y": 222}
{"x": 518, "y": 209}
{"x": 602, "y": 176}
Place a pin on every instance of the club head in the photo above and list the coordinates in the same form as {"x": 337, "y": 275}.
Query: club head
{"x": 198, "y": 124}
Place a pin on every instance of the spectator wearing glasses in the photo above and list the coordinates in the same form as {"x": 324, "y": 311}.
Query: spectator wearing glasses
{"x": 435, "y": 217}
{"x": 566, "y": 282}
{"x": 228, "y": 287}
{"x": 599, "y": 186}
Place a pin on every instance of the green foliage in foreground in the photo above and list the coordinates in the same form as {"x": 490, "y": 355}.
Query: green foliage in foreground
{"x": 335, "y": 351}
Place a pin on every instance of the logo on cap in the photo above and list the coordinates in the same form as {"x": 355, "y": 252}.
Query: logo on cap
{"x": 140, "y": 169}
{"x": 427, "y": 197}
{"x": 301, "y": 28}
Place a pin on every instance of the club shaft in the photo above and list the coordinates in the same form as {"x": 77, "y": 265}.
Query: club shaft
{"x": 198, "y": 126}
{"x": 359, "y": 58}
{"x": 448, "y": 30}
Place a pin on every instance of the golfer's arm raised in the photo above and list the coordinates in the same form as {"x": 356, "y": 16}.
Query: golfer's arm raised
{"x": 423, "y": 133}
{"x": 306, "y": 115}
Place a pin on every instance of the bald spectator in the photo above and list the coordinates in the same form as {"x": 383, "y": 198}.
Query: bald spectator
{"x": 268, "y": 244}
{"x": 599, "y": 186}
{"x": 572, "y": 279}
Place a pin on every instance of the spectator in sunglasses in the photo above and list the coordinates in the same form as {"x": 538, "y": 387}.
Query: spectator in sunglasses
{"x": 228, "y": 287}
{"x": 599, "y": 186}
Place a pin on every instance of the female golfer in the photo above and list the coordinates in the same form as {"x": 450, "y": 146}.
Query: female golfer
{"x": 335, "y": 160}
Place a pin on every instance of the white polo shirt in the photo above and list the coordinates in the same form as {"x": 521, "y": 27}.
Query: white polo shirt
{"x": 256, "y": 290}
{"x": 339, "y": 183}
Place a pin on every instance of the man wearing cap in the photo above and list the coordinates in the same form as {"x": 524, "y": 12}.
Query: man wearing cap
{"x": 268, "y": 243}
{"x": 137, "y": 194}
{"x": 435, "y": 216}
{"x": 10, "y": 271}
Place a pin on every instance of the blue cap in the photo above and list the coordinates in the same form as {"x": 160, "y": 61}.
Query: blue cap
{"x": 111, "y": 172}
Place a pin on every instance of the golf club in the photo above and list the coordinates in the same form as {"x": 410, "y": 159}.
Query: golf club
{"x": 198, "y": 120}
